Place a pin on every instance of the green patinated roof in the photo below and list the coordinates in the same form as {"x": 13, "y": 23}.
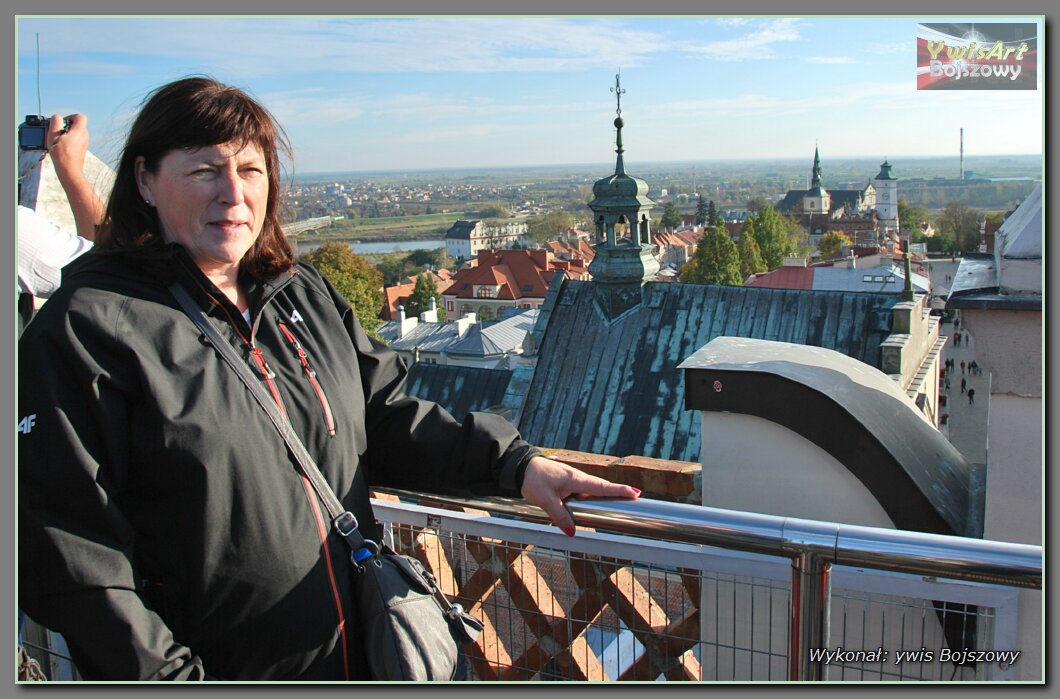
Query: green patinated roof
{"x": 614, "y": 387}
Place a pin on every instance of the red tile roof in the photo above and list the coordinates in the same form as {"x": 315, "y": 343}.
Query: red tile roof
{"x": 519, "y": 273}
{"x": 785, "y": 278}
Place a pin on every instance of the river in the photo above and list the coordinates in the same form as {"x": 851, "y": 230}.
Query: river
{"x": 305, "y": 245}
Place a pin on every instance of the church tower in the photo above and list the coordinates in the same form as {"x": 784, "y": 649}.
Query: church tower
{"x": 621, "y": 216}
{"x": 817, "y": 200}
{"x": 886, "y": 186}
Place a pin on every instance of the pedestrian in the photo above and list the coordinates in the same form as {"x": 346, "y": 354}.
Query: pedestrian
{"x": 956, "y": 339}
{"x": 962, "y": 366}
{"x": 971, "y": 396}
{"x": 964, "y": 384}
{"x": 956, "y": 323}
{"x": 947, "y": 383}
{"x": 163, "y": 527}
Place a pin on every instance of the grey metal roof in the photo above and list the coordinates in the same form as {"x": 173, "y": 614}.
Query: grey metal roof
{"x": 867, "y": 279}
{"x": 474, "y": 343}
{"x": 428, "y": 337}
{"x": 458, "y": 389}
{"x": 508, "y": 334}
{"x": 614, "y": 388}
{"x": 1020, "y": 236}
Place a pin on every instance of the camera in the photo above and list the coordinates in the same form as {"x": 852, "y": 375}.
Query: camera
{"x": 33, "y": 131}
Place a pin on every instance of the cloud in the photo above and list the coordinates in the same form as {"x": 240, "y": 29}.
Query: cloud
{"x": 830, "y": 60}
{"x": 755, "y": 44}
{"x": 732, "y": 21}
{"x": 251, "y": 46}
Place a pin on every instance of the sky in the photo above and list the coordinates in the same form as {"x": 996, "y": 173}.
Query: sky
{"x": 408, "y": 93}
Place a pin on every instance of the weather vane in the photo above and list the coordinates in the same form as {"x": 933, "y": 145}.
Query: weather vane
{"x": 617, "y": 89}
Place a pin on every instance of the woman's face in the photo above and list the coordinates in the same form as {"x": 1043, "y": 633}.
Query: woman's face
{"x": 211, "y": 200}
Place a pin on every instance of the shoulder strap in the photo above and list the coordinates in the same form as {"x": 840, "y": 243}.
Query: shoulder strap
{"x": 342, "y": 519}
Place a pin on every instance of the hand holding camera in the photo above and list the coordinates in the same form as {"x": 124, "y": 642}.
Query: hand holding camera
{"x": 33, "y": 132}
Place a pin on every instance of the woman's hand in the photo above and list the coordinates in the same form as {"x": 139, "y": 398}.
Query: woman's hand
{"x": 547, "y": 483}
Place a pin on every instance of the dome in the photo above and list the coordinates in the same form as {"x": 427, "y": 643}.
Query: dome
{"x": 619, "y": 186}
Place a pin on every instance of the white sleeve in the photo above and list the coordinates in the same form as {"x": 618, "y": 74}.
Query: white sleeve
{"x": 43, "y": 250}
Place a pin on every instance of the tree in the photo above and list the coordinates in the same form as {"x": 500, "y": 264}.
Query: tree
{"x": 542, "y": 229}
{"x": 671, "y": 217}
{"x": 420, "y": 299}
{"x": 756, "y": 205}
{"x": 960, "y": 222}
{"x": 359, "y": 282}
{"x": 702, "y": 212}
{"x": 911, "y": 216}
{"x": 713, "y": 217}
{"x": 750, "y": 256}
{"x": 831, "y": 243}
{"x": 494, "y": 211}
{"x": 716, "y": 261}
{"x": 776, "y": 236}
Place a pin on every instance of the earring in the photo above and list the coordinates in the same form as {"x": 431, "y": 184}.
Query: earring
{"x": 148, "y": 202}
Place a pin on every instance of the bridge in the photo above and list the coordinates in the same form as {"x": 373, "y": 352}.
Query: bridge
{"x": 296, "y": 228}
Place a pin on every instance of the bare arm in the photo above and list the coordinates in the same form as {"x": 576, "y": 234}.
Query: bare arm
{"x": 67, "y": 150}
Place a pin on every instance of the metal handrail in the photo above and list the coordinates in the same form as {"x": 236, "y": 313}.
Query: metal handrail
{"x": 812, "y": 546}
{"x": 956, "y": 557}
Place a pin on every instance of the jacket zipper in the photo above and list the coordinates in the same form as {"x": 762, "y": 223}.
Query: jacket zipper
{"x": 303, "y": 358}
{"x": 322, "y": 527}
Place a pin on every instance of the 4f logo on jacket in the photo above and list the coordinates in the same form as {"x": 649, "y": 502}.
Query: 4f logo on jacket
{"x": 26, "y": 424}
{"x": 296, "y": 317}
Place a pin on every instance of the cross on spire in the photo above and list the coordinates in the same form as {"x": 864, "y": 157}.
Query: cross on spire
{"x": 619, "y": 91}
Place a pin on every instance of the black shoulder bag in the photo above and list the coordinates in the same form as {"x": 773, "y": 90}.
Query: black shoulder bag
{"x": 413, "y": 631}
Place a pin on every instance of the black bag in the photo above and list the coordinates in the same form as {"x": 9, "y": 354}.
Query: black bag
{"x": 413, "y": 630}
{"x": 404, "y": 613}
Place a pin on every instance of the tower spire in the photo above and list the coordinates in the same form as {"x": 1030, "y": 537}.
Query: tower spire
{"x": 620, "y": 168}
{"x": 815, "y": 180}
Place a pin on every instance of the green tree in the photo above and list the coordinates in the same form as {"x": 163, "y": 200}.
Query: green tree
{"x": 750, "y": 256}
{"x": 542, "y": 229}
{"x": 757, "y": 204}
{"x": 359, "y": 282}
{"x": 960, "y": 222}
{"x": 671, "y": 217}
{"x": 494, "y": 211}
{"x": 776, "y": 236}
{"x": 702, "y": 212}
{"x": 713, "y": 217}
{"x": 716, "y": 261}
{"x": 831, "y": 243}
{"x": 420, "y": 299}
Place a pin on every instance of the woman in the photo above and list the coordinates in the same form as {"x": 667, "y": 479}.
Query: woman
{"x": 164, "y": 529}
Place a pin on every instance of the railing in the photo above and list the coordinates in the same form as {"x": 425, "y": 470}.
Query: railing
{"x": 657, "y": 590}
{"x": 674, "y": 591}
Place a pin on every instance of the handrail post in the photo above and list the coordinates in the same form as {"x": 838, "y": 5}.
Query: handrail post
{"x": 810, "y": 608}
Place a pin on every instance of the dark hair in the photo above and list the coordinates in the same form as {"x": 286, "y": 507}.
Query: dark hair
{"x": 195, "y": 112}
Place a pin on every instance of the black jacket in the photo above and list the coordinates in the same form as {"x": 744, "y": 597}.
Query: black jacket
{"x": 164, "y": 529}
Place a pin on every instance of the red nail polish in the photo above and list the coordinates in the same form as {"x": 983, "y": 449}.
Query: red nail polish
{"x": 569, "y": 531}
{"x": 636, "y": 490}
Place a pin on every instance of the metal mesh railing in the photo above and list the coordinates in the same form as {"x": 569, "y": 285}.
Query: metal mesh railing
{"x": 608, "y": 607}
{"x": 605, "y": 606}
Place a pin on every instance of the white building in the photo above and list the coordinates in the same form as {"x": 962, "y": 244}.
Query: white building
{"x": 465, "y": 238}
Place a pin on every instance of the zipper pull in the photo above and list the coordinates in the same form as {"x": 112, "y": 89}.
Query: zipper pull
{"x": 262, "y": 364}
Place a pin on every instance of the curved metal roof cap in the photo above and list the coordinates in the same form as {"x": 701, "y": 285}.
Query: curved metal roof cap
{"x": 854, "y": 412}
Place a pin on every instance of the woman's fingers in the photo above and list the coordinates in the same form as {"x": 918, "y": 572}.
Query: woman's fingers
{"x": 548, "y": 483}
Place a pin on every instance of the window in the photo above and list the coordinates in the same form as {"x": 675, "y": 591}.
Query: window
{"x": 867, "y": 278}
{"x": 484, "y": 292}
{"x": 449, "y": 306}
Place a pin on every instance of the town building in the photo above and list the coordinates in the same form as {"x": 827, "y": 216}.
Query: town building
{"x": 465, "y": 239}
{"x": 465, "y": 342}
{"x": 398, "y": 295}
{"x": 503, "y": 279}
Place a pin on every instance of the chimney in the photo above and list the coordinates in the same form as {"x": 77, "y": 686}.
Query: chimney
{"x": 405, "y": 325}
